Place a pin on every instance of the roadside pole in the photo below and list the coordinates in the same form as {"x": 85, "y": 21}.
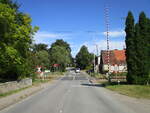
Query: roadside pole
{"x": 94, "y": 63}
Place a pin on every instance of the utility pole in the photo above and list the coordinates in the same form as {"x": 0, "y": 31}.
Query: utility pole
{"x": 94, "y": 62}
{"x": 97, "y": 50}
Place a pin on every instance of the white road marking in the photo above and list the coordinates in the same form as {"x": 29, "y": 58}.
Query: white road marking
{"x": 60, "y": 111}
{"x": 74, "y": 78}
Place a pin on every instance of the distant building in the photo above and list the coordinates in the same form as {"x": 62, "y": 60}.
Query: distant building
{"x": 117, "y": 61}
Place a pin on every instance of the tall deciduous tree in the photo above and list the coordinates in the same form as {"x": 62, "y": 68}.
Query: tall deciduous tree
{"x": 40, "y": 47}
{"x": 60, "y": 53}
{"x": 15, "y": 40}
{"x": 42, "y": 58}
{"x": 62, "y": 43}
{"x": 84, "y": 58}
{"x": 10, "y": 3}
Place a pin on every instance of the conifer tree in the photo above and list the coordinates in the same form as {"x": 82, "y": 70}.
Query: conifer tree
{"x": 148, "y": 44}
{"x": 142, "y": 50}
{"x": 130, "y": 48}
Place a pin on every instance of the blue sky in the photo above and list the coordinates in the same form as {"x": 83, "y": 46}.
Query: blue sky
{"x": 82, "y": 22}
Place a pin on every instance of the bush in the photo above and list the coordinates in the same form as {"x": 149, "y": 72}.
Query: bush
{"x": 118, "y": 74}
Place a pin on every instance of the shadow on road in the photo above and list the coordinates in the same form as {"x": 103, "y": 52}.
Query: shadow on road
{"x": 94, "y": 85}
{"x": 104, "y": 84}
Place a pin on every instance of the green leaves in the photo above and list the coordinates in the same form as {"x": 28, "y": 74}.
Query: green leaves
{"x": 60, "y": 53}
{"x": 40, "y": 47}
{"x": 16, "y": 33}
{"x": 84, "y": 58}
{"x": 42, "y": 58}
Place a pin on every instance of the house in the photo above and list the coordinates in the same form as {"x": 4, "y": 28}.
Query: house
{"x": 117, "y": 61}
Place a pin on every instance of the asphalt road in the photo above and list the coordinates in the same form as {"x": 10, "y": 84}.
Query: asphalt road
{"x": 71, "y": 94}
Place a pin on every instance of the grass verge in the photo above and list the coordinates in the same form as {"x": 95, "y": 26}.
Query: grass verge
{"x": 36, "y": 81}
{"x": 137, "y": 91}
{"x": 12, "y": 92}
{"x": 40, "y": 81}
{"x": 97, "y": 76}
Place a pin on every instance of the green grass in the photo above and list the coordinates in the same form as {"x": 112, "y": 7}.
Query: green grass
{"x": 36, "y": 81}
{"x": 97, "y": 75}
{"x": 39, "y": 81}
{"x": 137, "y": 91}
{"x": 12, "y": 92}
{"x": 55, "y": 74}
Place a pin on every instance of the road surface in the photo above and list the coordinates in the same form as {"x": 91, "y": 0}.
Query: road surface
{"x": 72, "y": 93}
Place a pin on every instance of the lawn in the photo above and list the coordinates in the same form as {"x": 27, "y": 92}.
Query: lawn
{"x": 138, "y": 91}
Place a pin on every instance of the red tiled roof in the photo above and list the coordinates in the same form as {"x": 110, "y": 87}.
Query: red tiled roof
{"x": 115, "y": 57}
{"x": 120, "y": 55}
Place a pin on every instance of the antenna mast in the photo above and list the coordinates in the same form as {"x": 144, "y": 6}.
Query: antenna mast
{"x": 107, "y": 36}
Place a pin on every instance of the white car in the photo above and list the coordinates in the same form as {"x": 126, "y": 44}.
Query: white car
{"x": 77, "y": 70}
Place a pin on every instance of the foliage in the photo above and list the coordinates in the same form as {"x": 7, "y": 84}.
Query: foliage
{"x": 62, "y": 43}
{"x": 40, "y": 47}
{"x": 130, "y": 48}
{"x": 15, "y": 40}
{"x": 42, "y": 58}
{"x": 10, "y": 3}
{"x": 84, "y": 58}
{"x": 142, "y": 50}
{"x": 138, "y": 49}
{"x": 60, "y": 53}
{"x": 118, "y": 74}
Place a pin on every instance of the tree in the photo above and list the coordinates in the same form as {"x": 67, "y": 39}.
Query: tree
{"x": 142, "y": 50}
{"x": 149, "y": 43}
{"x": 84, "y": 58}
{"x": 9, "y": 60}
{"x": 138, "y": 49}
{"x": 15, "y": 40}
{"x": 62, "y": 43}
{"x": 40, "y": 47}
{"x": 42, "y": 58}
{"x": 60, "y": 53}
{"x": 130, "y": 48}
{"x": 10, "y": 3}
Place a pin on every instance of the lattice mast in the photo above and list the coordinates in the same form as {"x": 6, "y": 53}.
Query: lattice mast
{"x": 107, "y": 36}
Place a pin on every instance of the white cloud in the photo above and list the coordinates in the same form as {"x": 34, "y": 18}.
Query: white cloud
{"x": 116, "y": 33}
{"x": 102, "y": 45}
{"x": 44, "y": 34}
{"x": 48, "y": 37}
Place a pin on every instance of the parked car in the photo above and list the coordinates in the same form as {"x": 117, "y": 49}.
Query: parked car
{"x": 77, "y": 70}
